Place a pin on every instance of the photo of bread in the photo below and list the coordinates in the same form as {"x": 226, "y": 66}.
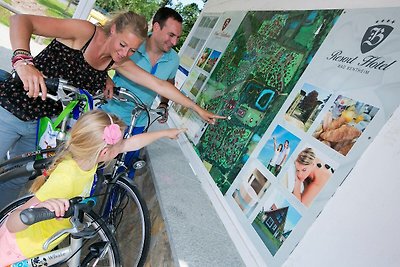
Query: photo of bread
{"x": 344, "y": 123}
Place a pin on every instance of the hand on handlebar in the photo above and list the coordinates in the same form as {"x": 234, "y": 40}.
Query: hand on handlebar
{"x": 58, "y": 205}
{"x": 33, "y": 81}
{"x": 109, "y": 89}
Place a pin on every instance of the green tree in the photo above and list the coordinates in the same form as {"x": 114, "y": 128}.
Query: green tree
{"x": 145, "y": 8}
{"x": 166, "y": 3}
{"x": 189, "y": 13}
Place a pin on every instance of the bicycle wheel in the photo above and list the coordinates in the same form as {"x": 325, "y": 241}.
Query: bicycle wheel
{"x": 128, "y": 217}
{"x": 103, "y": 238}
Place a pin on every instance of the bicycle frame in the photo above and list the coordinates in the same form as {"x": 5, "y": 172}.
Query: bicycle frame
{"x": 64, "y": 93}
{"x": 119, "y": 169}
{"x": 107, "y": 205}
{"x": 72, "y": 253}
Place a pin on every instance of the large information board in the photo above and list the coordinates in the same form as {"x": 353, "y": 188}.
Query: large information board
{"x": 305, "y": 93}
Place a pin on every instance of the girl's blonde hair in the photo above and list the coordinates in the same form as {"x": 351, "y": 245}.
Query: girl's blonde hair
{"x": 85, "y": 141}
{"x": 130, "y": 21}
{"x": 306, "y": 157}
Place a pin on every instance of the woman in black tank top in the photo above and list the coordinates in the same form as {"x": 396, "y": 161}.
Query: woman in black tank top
{"x": 81, "y": 53}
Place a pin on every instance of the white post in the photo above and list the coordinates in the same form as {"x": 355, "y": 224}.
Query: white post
{"x": 83, "y": 9}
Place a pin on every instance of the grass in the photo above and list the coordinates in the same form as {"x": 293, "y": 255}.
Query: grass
{"x": 5, "y": 14}
{"x": 54, "y": 8}
{"x": 57, "y": 9}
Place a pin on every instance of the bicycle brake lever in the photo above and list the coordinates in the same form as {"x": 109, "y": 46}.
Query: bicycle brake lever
{"x": 119, "y": 98}
{"x": 61, "y": 95}
{"x": 58, "y": 234}
{"x": 77, "y": 227}
{"x": 52, "y": 97}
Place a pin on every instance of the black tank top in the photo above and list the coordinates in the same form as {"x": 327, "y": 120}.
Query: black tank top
{"x": 55, "y": 61}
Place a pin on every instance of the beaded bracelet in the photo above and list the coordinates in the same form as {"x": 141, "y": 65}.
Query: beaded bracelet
{"x": 23, "y": 56}
{"x": 16, "y": 58}
{"x": 20, "y": 51}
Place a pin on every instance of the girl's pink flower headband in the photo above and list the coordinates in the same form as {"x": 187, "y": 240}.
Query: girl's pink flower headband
{"x": 112, "y": 133}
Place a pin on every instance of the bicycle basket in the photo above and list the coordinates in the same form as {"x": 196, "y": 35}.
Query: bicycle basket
{"x": 48, "y": 129}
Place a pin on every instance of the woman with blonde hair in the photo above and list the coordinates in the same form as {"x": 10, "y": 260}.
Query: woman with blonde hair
{"x": 82, "y": 54}
{"x": 96, "y": 137}
{"x": 311, "y": 176}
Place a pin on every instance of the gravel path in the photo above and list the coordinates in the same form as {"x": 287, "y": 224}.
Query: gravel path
{"x": 29, "y": 7}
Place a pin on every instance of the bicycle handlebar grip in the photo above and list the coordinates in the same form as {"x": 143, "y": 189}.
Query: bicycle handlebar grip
{"x": 51, "y": 83}
{"x": 33, "y": 215}
{"x": 116, "y": 90}
{"x": 24, "y": 170}
{"x": 42, "y": 163}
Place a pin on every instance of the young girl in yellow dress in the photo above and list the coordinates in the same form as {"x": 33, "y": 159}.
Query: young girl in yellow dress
{"x": 96, "y": 137}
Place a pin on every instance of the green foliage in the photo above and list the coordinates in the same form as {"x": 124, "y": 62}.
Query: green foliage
{"x": 4, "y": 16}
{"x": 145, "y": 8}
{"x": 166, "y": 3}
{"x": 56, "y": 9}
{"x": 189, "y": 14}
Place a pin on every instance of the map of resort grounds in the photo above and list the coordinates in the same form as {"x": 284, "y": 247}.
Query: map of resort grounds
{"x": 261, "y": 65}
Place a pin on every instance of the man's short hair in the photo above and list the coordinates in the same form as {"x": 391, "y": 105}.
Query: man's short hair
{"x": 165, "y": 13}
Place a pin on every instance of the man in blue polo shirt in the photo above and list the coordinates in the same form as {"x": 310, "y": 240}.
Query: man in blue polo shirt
{"x": 157, "y": 57}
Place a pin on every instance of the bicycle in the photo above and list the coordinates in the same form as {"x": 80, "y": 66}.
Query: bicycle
{"x": 59, "y": 90}
{"x": 90, "y": 241}
{"x": 118, "y": 194}
{"x": 120, "y": 191}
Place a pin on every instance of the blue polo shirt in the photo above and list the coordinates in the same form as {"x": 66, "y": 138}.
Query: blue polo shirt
{"x": 164, "y": 69}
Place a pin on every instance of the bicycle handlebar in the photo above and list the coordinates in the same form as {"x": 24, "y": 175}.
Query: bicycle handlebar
{"x": 34, "y": 215}
{"x": 51, "y": 83}
{"x": 31, "y": 168}
{"x": 55, "y": 87}
{"x": 28, "y": 156}
{"x": 122, "y": 94}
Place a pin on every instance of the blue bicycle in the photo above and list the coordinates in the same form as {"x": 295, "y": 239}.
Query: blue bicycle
{"x": 120, "y": 206}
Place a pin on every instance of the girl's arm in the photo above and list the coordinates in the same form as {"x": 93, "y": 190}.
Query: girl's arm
{"x": 59, "y": 206}
{"x": 74, "y": 33}
{"x": 134, "y": 73}
{"x": 141, "y": 140}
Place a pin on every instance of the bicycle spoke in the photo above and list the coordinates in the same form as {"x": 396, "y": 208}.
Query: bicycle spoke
{"x": 129, "y": 220}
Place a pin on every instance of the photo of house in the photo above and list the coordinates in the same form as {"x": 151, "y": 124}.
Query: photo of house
{"x": 275, "y": 221}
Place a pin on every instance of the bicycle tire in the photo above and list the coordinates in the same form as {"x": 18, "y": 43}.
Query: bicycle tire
{"x": 132, "y": 231}
{"x": 103, "y": 233}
